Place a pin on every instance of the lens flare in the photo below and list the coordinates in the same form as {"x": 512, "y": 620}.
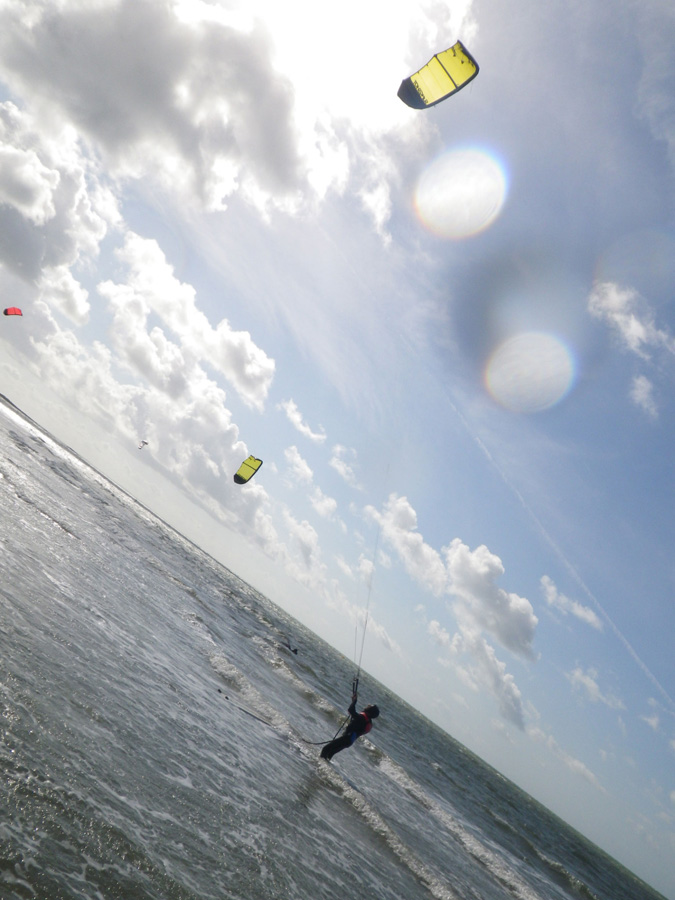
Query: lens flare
{"x": 530, "y": 372}
{"x": 461, "y": 193}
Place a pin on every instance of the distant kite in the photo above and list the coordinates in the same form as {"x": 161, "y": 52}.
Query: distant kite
{"x": 247, "y": 470}
{"x": 12, "y": 311}
{"x": 444, "y": 75}
{"x": 142, "y": 444}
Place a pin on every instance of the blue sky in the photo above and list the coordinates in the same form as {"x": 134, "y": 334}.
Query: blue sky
{"x": 449, "y": 334}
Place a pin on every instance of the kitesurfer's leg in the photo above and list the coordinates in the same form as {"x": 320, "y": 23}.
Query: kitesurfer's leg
{"x": 335, "y": 746}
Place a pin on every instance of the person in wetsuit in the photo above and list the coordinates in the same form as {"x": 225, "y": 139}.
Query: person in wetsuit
{"x": 359, "y": 723}
{"x": 287, "y": 643}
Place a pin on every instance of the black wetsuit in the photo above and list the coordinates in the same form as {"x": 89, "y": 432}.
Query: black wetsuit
{"x": 358, "y": 725}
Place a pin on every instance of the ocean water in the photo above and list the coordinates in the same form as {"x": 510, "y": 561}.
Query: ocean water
{"x": 154, "y": 732}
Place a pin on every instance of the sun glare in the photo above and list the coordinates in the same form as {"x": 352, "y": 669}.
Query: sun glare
{"x": 461, "y": 193}
{"x": 530, "y": 372}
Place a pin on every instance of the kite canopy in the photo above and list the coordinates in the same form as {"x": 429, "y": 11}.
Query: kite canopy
{"x": 12, "y": 311}
{"x": 247, "y": 470}
{"x": 444, "y": 74}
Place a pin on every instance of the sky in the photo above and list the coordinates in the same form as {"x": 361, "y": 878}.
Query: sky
{"x": 449, "y": 335}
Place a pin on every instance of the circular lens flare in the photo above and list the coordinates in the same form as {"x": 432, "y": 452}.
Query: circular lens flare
{"x": 461, "y": 193}
{"x": 530, "y": 372}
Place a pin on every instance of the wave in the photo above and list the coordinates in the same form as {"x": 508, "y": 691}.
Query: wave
{"x": 565, "y": 878}
{"x": 493, "y": 862}
{"x": 12, "y": 483}
{"x": 365, "y": 807}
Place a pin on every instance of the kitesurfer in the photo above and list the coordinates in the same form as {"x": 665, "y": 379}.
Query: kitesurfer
{"x": 287, "y": 643}
{"x": 359, "y": 724}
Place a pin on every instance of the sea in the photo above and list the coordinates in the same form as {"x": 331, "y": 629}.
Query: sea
{"x": 159, "y": 739}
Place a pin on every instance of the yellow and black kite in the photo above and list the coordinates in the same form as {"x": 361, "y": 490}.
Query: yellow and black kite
{"x": 247, "y": 470}
{"x": 444, "y": 75}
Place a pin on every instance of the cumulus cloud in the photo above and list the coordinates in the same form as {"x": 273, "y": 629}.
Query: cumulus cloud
{"x": 221, "y": 100}
{"x": 563, "y": 604}
{"x": 481, "y": 603}
{"x": 324, "y": 505}
{"x": 59, "y": 288}
{"x": 483, "y": 670}
{"x": 86, "y": 376}
{"x": 200, "y": 104}
{"x": 491, "y": 672}
{"x": 588, "y": 682}
{"x": 27, "y": 184}
{"x": 151, "y": 287}
{"x": 398, "y": 523}
{"x": 54, "y": 209}
{"x": 343, "y": 460}
{"x": 295, "y": 418}
{"x": 299, "y": 472}
{"x": 298, "y": 467}
{"x": 303, "y": 561}
{"x": 441, "y": 635}
{"x": 468, "y": 576}
{"x": 480, "y": 606}
{"x": 306, "y": 540}
{"x": 193, "y": 437}
{"x": 629, "y": 317}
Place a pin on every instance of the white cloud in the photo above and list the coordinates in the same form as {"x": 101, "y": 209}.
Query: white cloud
{"x": 339, "y": 462}
{"x": 588, "y": 681}
{"x": 86, "y": 376}
{"x": 54, "y": 210}
{"x": 152, "y": 287}
{"x": 656, "y": 89}
{"x": 299, "y": 469}
{"x": 398, "y": 522}
{"x": 500, "y": 682}
{"x": 366, "y": 569}
{"x": 574, "y": 765}
{"x": 199, "y": 106}
{"x": 59, "y": 288}
{"x": 324, "y": 505}
{"x": 482, "y": 604}
{"x": 150, "y": 354}
{"x": 300, "y": 472}
{"x": 642, "y": 395}
{"x": 192, "y": 435}
{"x": 344, "y": 567}
{"x": 442, "y": 636}
{"x": 306, "y": 540}
{"x": 630, "y": 317}
{"x": 222, "y": 101}
{"x": 653, "y": 721}
{"x": 27, "y": 184}
{"x": 295, "y": 418}
{"x": 564, "y": 605}
{"x": 479, "y": 604}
